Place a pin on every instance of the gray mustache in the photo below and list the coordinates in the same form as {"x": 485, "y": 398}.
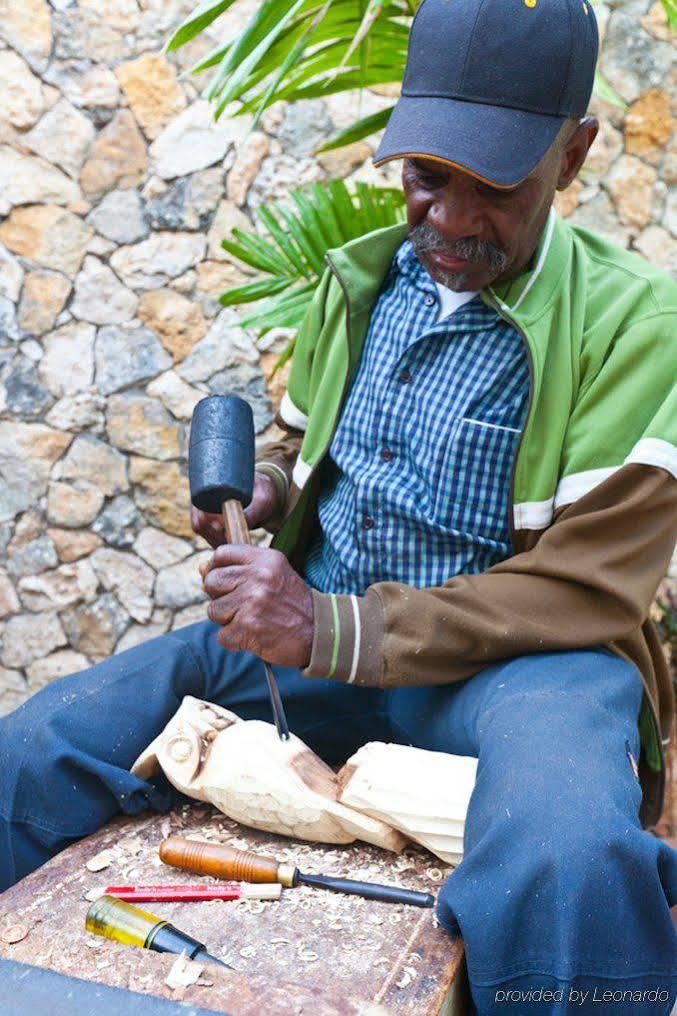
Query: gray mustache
{"x": 425, "y": 240}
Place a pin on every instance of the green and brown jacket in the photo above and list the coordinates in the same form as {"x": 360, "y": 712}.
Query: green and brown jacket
{"x": 593, "y": 505}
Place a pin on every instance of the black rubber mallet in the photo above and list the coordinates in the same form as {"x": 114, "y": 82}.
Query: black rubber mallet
{"x": 221, "y": 475}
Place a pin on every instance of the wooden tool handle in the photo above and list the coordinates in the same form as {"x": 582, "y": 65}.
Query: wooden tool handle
{"x": 219, "y": 860}
{"x": 234, "y": 522}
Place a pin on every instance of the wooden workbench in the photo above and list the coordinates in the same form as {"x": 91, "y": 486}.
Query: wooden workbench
{"x": 311, "y": 954}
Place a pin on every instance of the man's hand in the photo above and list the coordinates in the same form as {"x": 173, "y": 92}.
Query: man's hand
{"x": 264, "y": 504}
{"x": 261, "y": 603}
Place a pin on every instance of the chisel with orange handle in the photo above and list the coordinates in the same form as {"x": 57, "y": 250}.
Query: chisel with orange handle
{"x": 222, "y": 861}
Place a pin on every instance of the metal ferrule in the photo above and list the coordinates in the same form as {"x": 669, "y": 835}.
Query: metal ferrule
{"x": 286, "y": 875}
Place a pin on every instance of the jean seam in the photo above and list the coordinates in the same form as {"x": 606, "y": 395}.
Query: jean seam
{"x": 26, "y": 820}
{"x": 511, "y": 973}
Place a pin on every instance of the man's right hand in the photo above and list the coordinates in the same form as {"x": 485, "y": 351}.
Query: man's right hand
{"x": 264, "y": 504}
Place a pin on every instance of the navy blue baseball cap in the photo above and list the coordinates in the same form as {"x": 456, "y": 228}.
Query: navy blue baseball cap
{"x": 489, "y": 83}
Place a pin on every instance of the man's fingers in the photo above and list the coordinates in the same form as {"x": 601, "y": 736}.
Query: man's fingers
{"x": 231, "y": 553}
{"x": 208, "y": 526}
{"x": 222, "y": 611}
{"x": 221, "y": 581}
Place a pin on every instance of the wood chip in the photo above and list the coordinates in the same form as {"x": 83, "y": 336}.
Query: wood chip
{"x": 95, "y": 893}
{"x": 93, "y": 942}
{"x": 409, "y": 973}
{"x": 100, "y": 861}
{"x": 183, "y": 973}
{"x": 13, "y": 933}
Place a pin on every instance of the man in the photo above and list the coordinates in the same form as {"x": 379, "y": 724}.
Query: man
{"x": 474, "y": 503}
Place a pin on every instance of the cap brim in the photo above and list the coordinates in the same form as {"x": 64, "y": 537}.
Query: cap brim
{"x": 497, "y": 144}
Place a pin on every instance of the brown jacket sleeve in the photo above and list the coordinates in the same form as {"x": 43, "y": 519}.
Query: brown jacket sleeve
{"x": 277, "y": 460}
{"x": 589, "y": 579}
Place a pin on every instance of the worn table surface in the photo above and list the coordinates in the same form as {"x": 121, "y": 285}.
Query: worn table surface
{"x": 311, "y": 954}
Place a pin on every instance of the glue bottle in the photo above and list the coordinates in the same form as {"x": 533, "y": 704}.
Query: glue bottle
{"x": 125, "y": 923}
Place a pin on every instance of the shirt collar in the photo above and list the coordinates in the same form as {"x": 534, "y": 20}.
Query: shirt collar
{"x": 471, "y": 316}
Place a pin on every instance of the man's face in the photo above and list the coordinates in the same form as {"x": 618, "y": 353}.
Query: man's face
{"x": 468, "y": 234}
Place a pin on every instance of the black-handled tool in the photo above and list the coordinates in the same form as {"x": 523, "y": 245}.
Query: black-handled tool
{"x": 369, "y": 890}
{"x": 221, "y": 475}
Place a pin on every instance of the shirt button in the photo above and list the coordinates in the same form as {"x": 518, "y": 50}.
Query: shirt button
{"x": 429, "y": 299}
{"x": 404, "y": 377}
{"x": 367, "y": 522}
{"x": 387, "y": 455}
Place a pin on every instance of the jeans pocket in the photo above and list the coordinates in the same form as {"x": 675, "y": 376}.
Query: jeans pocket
{"x": 473, "y": 488}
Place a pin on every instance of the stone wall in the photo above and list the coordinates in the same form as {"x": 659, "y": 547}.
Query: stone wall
{"x": 115, "y": 191}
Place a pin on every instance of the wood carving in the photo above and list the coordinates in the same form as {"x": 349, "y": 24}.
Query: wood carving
{"x": 424, "y": 794}
{"x": 245, "y": 770}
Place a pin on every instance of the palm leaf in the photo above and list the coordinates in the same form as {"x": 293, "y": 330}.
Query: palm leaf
{"x": 606, "y": 92}
{"x": 290, "y": 246}
{"x": 201, "y": 18}
{"x": 670, "y": 8}
{"x": 357, "y": 131}
{"x": 295, "y": 49}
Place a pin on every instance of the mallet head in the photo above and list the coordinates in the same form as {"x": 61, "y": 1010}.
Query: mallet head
{"x": 221, "y": 453}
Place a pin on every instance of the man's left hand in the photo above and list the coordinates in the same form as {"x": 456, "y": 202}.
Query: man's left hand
{"x": 261, "y": 603}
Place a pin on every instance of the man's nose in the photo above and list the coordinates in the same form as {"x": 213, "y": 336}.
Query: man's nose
{"x": 456, "y": 211}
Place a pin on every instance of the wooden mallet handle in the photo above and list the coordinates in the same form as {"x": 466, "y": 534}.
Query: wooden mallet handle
{"x": 222, "y": 861}
{"x": 234, "y": 522}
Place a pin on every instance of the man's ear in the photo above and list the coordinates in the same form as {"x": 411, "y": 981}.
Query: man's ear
{"x": 576, "y": 150}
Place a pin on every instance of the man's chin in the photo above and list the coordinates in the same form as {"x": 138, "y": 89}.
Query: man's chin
{"x": 463, "y": 282}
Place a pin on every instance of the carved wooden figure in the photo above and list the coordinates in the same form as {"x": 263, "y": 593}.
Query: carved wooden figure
{"x": 248, "y": 773}
{"x": 424, "y": 794}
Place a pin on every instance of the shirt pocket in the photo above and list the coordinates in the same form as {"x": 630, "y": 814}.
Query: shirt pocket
{"x": 473, "y": 488}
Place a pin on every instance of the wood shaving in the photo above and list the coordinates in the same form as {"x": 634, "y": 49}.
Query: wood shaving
{"x": 434, "y": 874}
{"x": 100, "y": 861}
{"x": 408, "y": 975}
{"x": 183, "y": 973}
{"x": 249, "y": 950}
{"x": 256, "y": 906}
{"x": 13, "y": 933}
{"x": 308, "y": 956}
{"x": 92, "y": 942}
{"x": 94, "y": 893}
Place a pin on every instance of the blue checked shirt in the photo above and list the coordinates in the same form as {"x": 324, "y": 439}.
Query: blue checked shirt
{"x": 417, "y": 481}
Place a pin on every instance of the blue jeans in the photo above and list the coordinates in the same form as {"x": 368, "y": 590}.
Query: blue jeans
{"x": 559, "y": 891}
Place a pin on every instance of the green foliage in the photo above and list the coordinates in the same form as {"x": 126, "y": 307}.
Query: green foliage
{"x": 302, "y": 49}
{"x": 606, "y": 92}
{"x": 290, "y": 255}
{"x": 670, "y": 7}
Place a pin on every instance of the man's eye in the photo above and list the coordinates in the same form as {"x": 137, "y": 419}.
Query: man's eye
{"x": 428, "y": 176}
{"x": 496, "y": 194}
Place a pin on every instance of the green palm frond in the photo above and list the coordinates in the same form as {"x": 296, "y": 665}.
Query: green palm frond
{"x": 301, "y": 49}
{"x": 290, "y": 252}
{"x": 606, "y": 92}
{"x": 670, "y": 8}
